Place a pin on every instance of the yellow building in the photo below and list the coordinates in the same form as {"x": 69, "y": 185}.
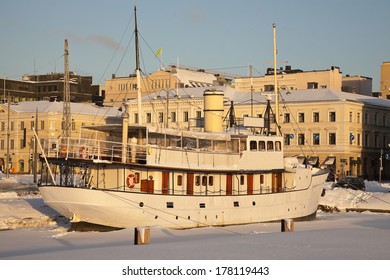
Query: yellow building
{"x": 119, "y": 89}
{"x": 47, "y": 118}
{"x": 292, "y": 79}
{"x": 385, "y": 80}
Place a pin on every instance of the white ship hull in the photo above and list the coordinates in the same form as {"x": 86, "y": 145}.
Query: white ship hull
{"x": 135, "y": 209}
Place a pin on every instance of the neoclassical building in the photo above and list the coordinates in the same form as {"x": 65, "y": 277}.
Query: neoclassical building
{"x": 46, "y": 118}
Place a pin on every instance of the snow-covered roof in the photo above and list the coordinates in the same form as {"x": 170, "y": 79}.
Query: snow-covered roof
{"x": 194, "y": 78}
{"x": 76, "y": 108}
{"x": 292, "y": 96}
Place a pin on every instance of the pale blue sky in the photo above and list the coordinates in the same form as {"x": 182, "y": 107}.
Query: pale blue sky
{"x": 211, "y": 34}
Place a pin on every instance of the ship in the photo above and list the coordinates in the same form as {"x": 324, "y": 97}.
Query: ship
{"x": 135, "y": 175}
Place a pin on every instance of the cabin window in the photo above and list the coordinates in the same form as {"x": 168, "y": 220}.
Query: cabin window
{"x": 278, "y": 146}
{"x": 242, "y": 180}
{"x": 136, "y": 177}
{"x": 205, "y": 145}
{"x": 253, "y": 145}
{"x": 179, "y": 180}
{"x": 270, "y": 145}
{"x": 242, "y": 145}
{"x": 220, "y": 145}
{"x": 169, "y": 204}
{"x": 211, "y": 180}
{"x": 204, "y": 180}
{"x": 261, "y": 179}
{"x": 261, "y": 145}
{"x": 197, "y": 180}
{"x": 189, "y": 143}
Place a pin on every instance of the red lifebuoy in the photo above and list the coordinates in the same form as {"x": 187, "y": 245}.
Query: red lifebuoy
{"x": 130, "y": 180}
{"x": 83, "y": 151}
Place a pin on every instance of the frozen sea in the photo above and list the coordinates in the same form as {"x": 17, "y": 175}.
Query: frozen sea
{"x": 32, "y": 234}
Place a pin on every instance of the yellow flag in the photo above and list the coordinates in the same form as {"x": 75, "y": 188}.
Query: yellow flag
{"x": 159, "y": 52}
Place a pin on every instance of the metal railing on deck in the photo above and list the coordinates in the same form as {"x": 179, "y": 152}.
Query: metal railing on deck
{"x": 93, "y": 149}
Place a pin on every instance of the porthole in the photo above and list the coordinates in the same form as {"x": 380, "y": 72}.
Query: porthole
{"x": 254, "y": 203}
{"x": 141, "y": 204}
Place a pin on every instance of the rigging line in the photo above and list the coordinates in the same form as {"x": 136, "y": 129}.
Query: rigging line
{"x": 117, "y": 48}
{"x": 297, "y": 124}
{"x": 111, "y": 81}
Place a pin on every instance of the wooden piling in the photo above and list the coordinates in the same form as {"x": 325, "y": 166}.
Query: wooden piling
{"x": 287, "y": 225}
{"x": 141, "y": 236}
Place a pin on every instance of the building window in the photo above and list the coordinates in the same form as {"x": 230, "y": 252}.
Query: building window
{"x": 173, "y": 116}
{"x": 332, "y": 138}
{"x": 286, "y": 117}
{"x": 148, "y": 117}
{"x": 135, "y": 117}
{"x": 350, "y": 116}
{"x": 384, "y": 120}
{"x": 301, "y": 139}
{"x": 376, "y": 140}
{"x": 160, "y": 117}
{"x": 358, "y": 139}
{"x": 301, "y": 117}
{"x": 375, "y": 119}
{"x": 366, "y": 118}
{"x": 253, "y": 145}
{"x": 21, "y": 125}
{"x": 316, "y": 117}
{"x": 286, "y": 139}
{"x": 185, "y": 116}
{"x": 312, "y": 85}
{"x": 332, "y": 116}
{"x": 316, "y": 139}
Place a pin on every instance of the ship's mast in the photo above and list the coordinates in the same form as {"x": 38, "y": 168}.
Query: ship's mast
{"x": 138, "y": 69}
{"x": 276, "y": 94}
{"x": 66, "y": 116}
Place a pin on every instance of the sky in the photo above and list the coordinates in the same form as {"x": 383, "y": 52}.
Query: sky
{"x": 221, "y": 35}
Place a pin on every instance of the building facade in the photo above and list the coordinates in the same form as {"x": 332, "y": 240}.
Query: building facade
{"x": 119, "y": 89}
{"x": 292, "y": 79}
{"x": 47, "y": 87}
{"x": 46, "y": 118}
{"x": 385, "y": 80}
